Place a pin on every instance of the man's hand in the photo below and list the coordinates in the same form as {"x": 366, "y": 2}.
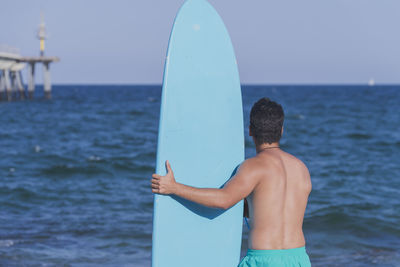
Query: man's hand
{"x": 164, "y": 184}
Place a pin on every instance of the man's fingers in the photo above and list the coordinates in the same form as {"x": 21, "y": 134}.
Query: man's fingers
{"x": 155, "y": 183}
{"x": 168, "y": 166}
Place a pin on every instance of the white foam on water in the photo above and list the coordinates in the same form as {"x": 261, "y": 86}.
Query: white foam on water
{"x": 6, "y": 243}
{"x": 94, "y": 158}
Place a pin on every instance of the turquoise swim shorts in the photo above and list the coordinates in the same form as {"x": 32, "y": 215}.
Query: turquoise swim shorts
{"x": 276, "y": 258}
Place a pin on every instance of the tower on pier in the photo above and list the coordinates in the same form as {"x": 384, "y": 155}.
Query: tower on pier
{"x": 41, "y": 35}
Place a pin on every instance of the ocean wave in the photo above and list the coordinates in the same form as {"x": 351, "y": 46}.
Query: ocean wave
{"x": 366, "y": 256}
{"x": 62, "y": 170}
{"x": 387, "y": 143}
{"x": 132, "y": 167}
{"x": 359, "y": 218}
{"x": 19, "y": 193}
{"x": 23, "y": 198}
{"x": 358, "y": 136}
{"x": 135, "y": 112}
{"x": 296, "y": 116}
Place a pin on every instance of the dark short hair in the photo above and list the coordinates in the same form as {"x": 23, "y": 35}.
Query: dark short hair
{"x": 266, "y": 121}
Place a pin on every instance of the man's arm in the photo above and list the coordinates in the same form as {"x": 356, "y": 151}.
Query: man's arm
{"x": 237, "y": 188}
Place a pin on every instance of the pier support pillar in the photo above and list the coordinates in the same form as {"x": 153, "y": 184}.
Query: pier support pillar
{"x": 19, "y": 84}
{"x": 31, "y": 79}
{"x": 2, "y": 84}
{"x": 13, "y": 84}
{"x": 8, "y": 84}
{"x": 46, "y": 80}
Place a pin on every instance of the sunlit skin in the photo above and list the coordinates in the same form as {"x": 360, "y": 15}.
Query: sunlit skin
{"x": 276, "y": 186}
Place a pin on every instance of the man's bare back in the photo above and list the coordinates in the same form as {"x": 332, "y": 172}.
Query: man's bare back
{"x": 278, "y": 201}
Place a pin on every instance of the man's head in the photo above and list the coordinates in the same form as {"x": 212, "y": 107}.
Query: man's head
{"x": 266, "y": 121}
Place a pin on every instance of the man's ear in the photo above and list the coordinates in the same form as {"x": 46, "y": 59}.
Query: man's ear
{"x": 250, "y": 134}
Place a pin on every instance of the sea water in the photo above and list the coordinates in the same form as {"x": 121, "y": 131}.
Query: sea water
{"x": 75, "y": 173}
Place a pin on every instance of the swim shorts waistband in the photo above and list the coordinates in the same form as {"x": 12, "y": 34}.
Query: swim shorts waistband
{"x": 280, "y": 252}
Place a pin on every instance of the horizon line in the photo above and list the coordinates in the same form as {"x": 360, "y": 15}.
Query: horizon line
{"x": 242, "y": 84}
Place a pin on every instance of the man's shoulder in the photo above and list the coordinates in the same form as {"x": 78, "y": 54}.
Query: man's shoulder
{"x": 259, "y": 166}
{"x": 250, "y": 165}
{"x": 252, "y": 162}
{"x": 295, "y": 160}
{"x": 302, "y": 171}
{"x": 298, "y": 165}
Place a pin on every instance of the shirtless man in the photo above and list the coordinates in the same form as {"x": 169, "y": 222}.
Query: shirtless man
{"x": 275, "y": 185}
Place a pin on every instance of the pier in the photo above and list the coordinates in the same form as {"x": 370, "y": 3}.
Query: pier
{"x": 12, "y": 64}
{"x": 11, "y": 84}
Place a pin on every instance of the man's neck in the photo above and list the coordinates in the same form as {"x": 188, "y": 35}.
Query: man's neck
{"x": 267, "y": 146}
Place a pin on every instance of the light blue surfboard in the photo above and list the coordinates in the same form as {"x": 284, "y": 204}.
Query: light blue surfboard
{"x": 201, "y": 134}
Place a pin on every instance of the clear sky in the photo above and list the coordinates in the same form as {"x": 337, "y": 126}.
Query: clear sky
{"x": 279, "y": 41}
